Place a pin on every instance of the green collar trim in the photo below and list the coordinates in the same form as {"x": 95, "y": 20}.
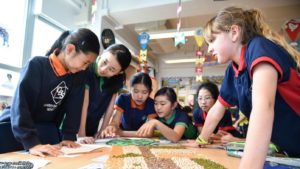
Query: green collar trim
{"x": 170, "y": 119}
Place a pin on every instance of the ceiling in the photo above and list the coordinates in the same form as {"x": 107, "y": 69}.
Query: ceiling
{"x": 131, "y": 17}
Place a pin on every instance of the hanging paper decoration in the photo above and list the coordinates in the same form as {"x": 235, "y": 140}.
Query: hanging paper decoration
{"x": 292, "y": 28}
{"x": 199, "y": 37}
{"x": 107, "y": 38}
{"x": 143, "y": 56}
{"x": 199, "y": 64}
{"x": 5, "y": 36}
{"x": 179, "y": 36}
{"x": 94, "y": 11}
{"x": 143, "y": 40}
{"x": 200, "y": 55}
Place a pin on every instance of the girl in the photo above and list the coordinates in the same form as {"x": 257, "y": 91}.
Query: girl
{"x": 172, "y": 122}
{"x": 207, "y": 95}
{"x": 105, "y": 79}
{"x": 262, "y": 81}
{"x": 50, "y": 91}
{"x": 133, "y": 109}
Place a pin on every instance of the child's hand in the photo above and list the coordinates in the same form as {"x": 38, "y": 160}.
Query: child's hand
{"x": 87, "y": 140}
{"x": 42, "y": 150}
{"x": 190, "y": 143}
{"x": 109, "y": 131}
{"x": 147, "y": 129}
{"x": 68, "y": 143}
{"x": 227, "y": 138}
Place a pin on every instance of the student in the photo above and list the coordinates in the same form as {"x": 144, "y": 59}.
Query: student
{"x": 172, "y": 122}
{"x": 262, "y": 81}
{"x": 207, "y": 94}
{"x": 134, "y": 108}
{"x": 50, "y": 91}
{"x": 105, "y": 79}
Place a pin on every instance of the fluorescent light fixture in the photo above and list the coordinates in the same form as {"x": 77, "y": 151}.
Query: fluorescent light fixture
{"x": 171, "y": 33}
{"x": 180, "y": 61}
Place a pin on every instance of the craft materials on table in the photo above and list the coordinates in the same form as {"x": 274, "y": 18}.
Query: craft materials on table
{"x": 23, "y": 164}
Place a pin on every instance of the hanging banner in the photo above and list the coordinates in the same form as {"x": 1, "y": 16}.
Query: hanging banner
{"x": 143, "y": 56}
{"x": 292, "y": 28}
{"x": 199, "y": 37}
{"x": 144, "y": 39}
{"x": 107, "y": 38}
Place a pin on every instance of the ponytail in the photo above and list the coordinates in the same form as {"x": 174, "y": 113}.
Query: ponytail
{"x": 58, "y": 44}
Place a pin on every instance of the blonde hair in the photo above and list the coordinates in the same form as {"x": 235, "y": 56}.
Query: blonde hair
{"x": 252, "y": 23}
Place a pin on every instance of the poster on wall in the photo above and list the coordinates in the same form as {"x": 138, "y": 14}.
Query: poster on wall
{"x": 186, "y": 86}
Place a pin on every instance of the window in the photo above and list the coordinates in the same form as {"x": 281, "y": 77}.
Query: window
{"x": 12, "y": 21}
{"x": 44, "y": 36}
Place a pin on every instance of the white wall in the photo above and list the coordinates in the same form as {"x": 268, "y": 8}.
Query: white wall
{"x": 65, "y": 13}
{"x": 184, "y": 69}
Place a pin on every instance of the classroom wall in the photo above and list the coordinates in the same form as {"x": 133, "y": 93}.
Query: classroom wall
{"x": 65, "y": 13}
{"x": 185, "y": 69}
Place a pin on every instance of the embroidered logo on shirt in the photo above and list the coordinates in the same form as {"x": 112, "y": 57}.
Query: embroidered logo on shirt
{"x": 59, "y": 92}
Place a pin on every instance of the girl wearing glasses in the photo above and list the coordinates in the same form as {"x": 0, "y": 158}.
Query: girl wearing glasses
{"x": 207, "y": 95}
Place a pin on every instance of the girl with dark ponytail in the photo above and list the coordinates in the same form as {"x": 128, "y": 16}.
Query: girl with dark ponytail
{"x": 50, "y": 93}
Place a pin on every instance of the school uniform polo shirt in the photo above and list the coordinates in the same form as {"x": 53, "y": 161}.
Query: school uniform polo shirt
{"x": 134, "y": 116}
{"x": 101, "y": 90}
{"x": 237, "y": 90}
{"x": 181, "y": 118}
{"x": 225, "y": 124}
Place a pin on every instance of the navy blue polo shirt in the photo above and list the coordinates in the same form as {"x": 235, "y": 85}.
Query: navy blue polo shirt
{"x": 179, "y": 117}
{"x": 237, "y": 84}
{"x": 134, "y": 116}
{"x": 225, "y": 124}
{"x": 101, "y": 90}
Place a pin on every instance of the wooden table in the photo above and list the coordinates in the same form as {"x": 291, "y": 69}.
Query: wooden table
{"x": 82, "y": 160}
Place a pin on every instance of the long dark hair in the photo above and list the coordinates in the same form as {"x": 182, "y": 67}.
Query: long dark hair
{"x": 170, "y": 93}
{"x": 83, "y": 39}
{"x": 142, "y": 78}
{"x": 122, "y": 54}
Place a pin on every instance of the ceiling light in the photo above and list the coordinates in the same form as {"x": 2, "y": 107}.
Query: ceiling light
{"x": 180, "y": 61}
{"x": 171, "y": 33}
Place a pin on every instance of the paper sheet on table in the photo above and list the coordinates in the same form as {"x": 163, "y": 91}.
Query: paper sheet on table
{"x": 84, "y": 148}
{"x": 37, "y": 163}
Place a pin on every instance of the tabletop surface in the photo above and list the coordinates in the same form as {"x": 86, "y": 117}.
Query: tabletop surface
{"x": 85, "y": 159}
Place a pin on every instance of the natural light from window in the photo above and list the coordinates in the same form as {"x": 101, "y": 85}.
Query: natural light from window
{"x": 12, "y": 27}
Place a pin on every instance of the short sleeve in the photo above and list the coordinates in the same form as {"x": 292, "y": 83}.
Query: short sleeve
{"x": 228, "y": 95}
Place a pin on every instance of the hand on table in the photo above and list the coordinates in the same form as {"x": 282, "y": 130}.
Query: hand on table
{"x": 45, "y": 149}
{"x": 68, "y": 143}
{"x": 227, "y": 137}
{"x": 147, "y": 129}
{"x": 87, "y": 140}
{"x": 190, "y": 143}
{"x": 109, "y": 131}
